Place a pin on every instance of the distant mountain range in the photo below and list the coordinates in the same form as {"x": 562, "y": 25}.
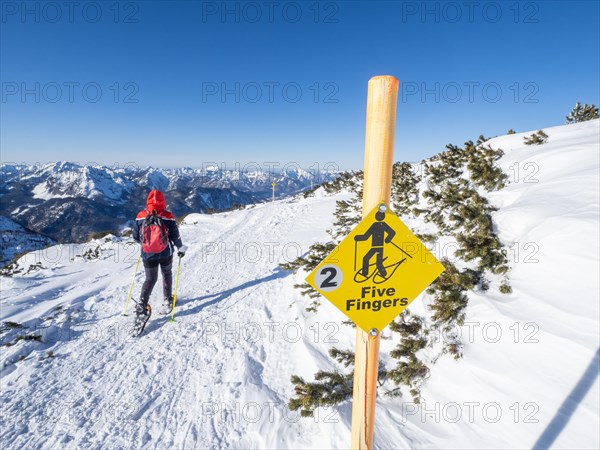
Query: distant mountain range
{"x": 67, "y": 201}
{"x": 16, "y": 240}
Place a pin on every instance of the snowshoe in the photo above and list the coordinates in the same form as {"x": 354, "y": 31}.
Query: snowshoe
{"x": 141, "y": 319}
{"x": 167, "y": 307}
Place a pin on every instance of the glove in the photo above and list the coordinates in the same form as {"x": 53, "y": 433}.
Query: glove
{"x": 181, "y": 251}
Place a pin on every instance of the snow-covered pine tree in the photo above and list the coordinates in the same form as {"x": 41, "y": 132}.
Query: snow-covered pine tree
{"x": 482, "y": 168}
{"x": 405, "y": 190}
{"x": 409, "y": 370}
{"x": 537, "y": 138}
{"x": 459, "y": 210}
{"x": 328, "y": 389}
{"x": 449, "y": 304}
{"x": 582, "y": 113}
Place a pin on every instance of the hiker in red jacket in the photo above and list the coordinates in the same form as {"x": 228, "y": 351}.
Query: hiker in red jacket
{"x": 155, "y": 228}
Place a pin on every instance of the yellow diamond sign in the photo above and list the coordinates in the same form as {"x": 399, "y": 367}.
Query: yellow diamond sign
{"x": 376, "y": 271}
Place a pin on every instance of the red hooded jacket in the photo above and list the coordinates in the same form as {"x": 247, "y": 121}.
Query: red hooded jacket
{"x": 156, "y": 202}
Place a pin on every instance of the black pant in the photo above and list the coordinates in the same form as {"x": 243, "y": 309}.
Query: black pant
{"x": 378, "y": 253}
{"x": 151, "y": 268}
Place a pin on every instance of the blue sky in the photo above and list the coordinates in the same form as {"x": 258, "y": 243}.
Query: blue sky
{"x": 187, "y": 83}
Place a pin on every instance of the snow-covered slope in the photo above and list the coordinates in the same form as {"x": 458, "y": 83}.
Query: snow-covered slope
{"x": 219, "y": 376}
{"x": 531, "y": 356}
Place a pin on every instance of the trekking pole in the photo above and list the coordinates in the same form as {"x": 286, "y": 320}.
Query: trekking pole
{"x": 175, "y": 295}
{"x": 131, "y": 288}
{"x": 392, "y": 242}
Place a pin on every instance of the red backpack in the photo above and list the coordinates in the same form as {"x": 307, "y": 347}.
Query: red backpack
{"x": 154, "y": 234}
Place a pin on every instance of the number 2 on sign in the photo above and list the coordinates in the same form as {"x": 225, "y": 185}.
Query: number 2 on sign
{"x": 328, "y": 278}
{"x": 328, "y": 282}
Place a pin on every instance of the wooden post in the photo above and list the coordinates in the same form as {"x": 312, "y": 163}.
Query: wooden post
{"x": 379, "y": 153}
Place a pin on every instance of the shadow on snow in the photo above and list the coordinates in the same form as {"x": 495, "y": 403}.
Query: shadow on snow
{"x": 569, "y": 405}
{"x": 217, "y": 298}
